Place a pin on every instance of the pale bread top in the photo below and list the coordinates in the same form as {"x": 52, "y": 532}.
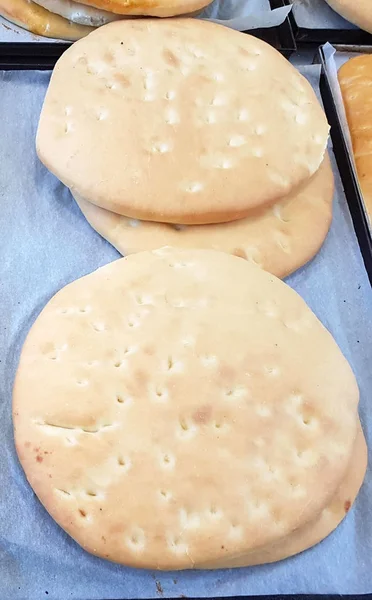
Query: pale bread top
{"x": 280, "y": 238}
{"x": 179, "y": 406}
{"x": 179, "y": 121}
{"x": 37, "y": 20}
{"x": 78, "y": 13}
{"x": 323, "y": 525}
{"x": 356, "y": 11}
{"x": 152, "y": 8}
{"x": 355, "y": 78}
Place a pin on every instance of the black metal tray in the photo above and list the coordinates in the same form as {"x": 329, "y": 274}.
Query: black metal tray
{"x": 352, "y": 192}
{"x": 44, "y": 55}
{"x": 314, "y": 37}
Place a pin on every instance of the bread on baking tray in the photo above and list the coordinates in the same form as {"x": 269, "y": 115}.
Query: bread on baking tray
{"x": 183, "y": 409}
{"x": 276, "y": 238}
{"x": 355, "y": 78}
{"x": 356, "y": 11}
{"x": 153, "y": 8}
{"x": 78, "y": 13}
{"x": 37, "y": 20}
{"x": 179, "y": 121}
{"x": 72, "y": 20}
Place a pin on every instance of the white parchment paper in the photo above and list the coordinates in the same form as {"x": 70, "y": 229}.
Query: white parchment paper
{"x": 237, "y": 14}
{"x": 317, "y": 14}
{"x": 45, "y": 243}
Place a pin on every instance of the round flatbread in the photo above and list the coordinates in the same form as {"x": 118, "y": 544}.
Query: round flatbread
{"x": 151, "y": 8}
{"x": 179, "y": 121}
{"x": 280, "y": 238}
{"x": 180, "y": 407}
{"x": 317, "y": 530}
{"x": 79, "y": 13}
{"x": 39, "y": 21}
{"x": 358, "y": 12}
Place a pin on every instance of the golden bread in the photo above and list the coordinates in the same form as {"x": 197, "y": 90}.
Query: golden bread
{"x": 179, "y": 121}
{"x": 182, "y": 407}
{"x": 275, "y": 238}
{"x": 151, "y": 8}
{"x": 355, "y": 78}
{"x": 356, "y": 11}
{"x": 39, "y": 21}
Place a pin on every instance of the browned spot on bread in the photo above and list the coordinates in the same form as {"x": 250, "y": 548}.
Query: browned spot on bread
{"x": 171, "y": 58}
{"x": 347, "y": 506}
{"x": 39, "y": 458}
{"x": 239, "y": 252}
{"x": 203, "y": 415}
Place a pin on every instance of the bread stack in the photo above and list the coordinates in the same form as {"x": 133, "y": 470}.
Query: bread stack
{"x": 72, "y": 20}
{"x": 186, "y": 133}
{"x": 183, "y": 408}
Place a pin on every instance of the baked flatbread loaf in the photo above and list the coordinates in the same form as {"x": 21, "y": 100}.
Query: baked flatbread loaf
{"x": 79, "y": 13}
{"x": 280, "y": 238}
{"x": 358, "y": 12}
{"x": 151, "y": 8}
{"x": 37, "y": 20}
{"x": 182, "y": 408}
{"x": 324, "y": 524}
{"x": 355, "y": 78}
{"x": 179, "y": 121}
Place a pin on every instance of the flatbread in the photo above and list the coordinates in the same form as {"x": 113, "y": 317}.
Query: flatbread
{"x": 356, "y": 11}
{"x": 39, "y": 21}
{"x": 152, "y": 8}
{"x": 280, "y": 239}
{"x": 355, "y": 78}
{"x": 179, "y": 121}
{"x": 79, "y": 13}
{"x": 182, "y": 407}
{"x": 315, "y": 531}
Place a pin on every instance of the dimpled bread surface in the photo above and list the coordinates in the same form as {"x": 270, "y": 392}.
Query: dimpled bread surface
{"x": 39, "y": 21}
{"x": 355, "y": 78}
{"x": 323, "y": 525}
{"x": 179, "y": 121}
{"x": 182, "y": 407}
{"x": 275, "y": 238}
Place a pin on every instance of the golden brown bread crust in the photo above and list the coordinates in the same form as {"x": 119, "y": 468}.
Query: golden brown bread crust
{"x": 190, "y": 115}
{"x": 39, "y": 21}
{"x": 358, "y": 12}
{"x": 276, "y": 238}
{"x": 196, "y": 388}
{"x": 323, "y": 525}
{"x": 151, "y": 8}
{"x": 355, "y": 78}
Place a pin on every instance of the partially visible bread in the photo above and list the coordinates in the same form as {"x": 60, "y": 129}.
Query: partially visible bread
{"x": 78, "y": 13}
{"x": 151, "y": 8}
{"x": 358, "y": 12}
{"x": 355, "y": 78}
{"x": 37, "y": 20}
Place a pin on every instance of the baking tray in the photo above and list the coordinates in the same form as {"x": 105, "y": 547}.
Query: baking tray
{"x": 314, "y": 37}
{"x": 344, "y": 162}
{"x": 309, "y": 284}
{"x": 44, "y": 55}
